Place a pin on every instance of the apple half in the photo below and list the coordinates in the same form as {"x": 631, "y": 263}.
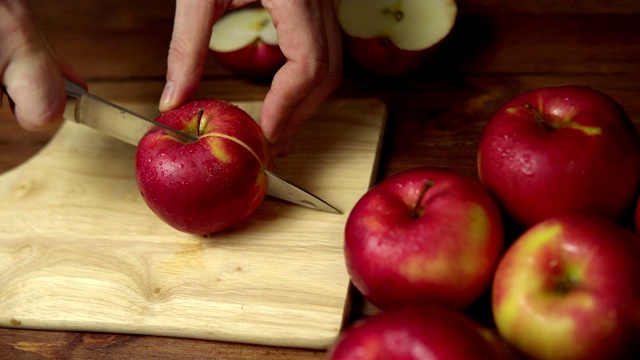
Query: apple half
{"x": 394, "y": 38}
{"x": 245, "y": 42}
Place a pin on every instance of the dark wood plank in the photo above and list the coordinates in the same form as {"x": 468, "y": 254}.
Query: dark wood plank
{"x": 34, "y": 344}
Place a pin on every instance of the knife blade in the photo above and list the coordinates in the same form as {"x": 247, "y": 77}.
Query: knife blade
{"x": 116, "y": 121}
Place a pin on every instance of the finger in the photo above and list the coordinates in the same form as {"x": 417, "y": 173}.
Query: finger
{"x": 310, "y": 104}
{"x": 188, "y": 49}
{"x": 313, "y": 69}
{"x": 30, "y": 75}
{"x": 36, "y": 88}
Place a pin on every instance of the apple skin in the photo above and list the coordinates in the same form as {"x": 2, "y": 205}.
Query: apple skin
{"x": 443, "y": 251}
{"x": 569, "y": 288}
{"x": 382, "y": 57}
{"x": 210, "y": 184}
{"x": 418, "y": 333}
{"x": 257, "y": 61}
{"x": 585, "y": 158}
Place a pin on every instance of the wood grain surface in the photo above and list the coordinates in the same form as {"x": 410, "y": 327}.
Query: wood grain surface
{"x": 498, "y": 49}
{"x": 81, "y": 251}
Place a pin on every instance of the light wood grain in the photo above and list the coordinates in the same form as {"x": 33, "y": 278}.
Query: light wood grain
{"x": 81, "y": 251}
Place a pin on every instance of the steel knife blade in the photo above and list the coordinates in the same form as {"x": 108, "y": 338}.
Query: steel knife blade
{"x": 116, "y": 121}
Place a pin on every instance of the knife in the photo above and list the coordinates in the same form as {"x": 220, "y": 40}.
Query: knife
{"x": 111, "y": 119}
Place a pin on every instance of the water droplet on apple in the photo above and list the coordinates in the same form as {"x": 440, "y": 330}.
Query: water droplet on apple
{"x": 526, "y": 166}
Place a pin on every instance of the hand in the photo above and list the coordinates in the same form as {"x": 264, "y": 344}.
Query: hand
{"x": 30, "y": 70}
{"x": 309, "y": 37}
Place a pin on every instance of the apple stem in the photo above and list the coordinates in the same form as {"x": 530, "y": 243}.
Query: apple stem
{"x": 566, "y": 284}
{"x": 541, "y": 120}
{"x": 417, "y": 211}
{"x": 200, "y": 114}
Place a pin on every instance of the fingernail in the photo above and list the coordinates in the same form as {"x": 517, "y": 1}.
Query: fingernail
{"x": 167, "y": 94}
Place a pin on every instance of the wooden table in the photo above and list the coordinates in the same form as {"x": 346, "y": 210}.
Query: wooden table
{"x": 498, "y": 49}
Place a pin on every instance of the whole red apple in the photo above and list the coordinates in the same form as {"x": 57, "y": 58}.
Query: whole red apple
{"x": 394, "y": 38}
{"x": 569, "y": 288}
{"x": 245, "y": 42}
{"x": 424, "y": 235}
{"x": 560, "y": 149}
{"x": 418, "y": 333}
{"x": 210, "y": 184}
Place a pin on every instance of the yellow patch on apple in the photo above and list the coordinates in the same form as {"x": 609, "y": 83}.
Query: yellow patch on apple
{"x": 588, "y": 130}
{"x": 540, "y": 236}
{"x": 218, "y": 149}
{"x": 193, "y": 125}
{"x": 424, "y": 267}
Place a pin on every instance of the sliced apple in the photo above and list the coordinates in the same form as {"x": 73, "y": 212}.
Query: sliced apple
{"x": 245, "y": 42}
{"x": 394, "y": 37}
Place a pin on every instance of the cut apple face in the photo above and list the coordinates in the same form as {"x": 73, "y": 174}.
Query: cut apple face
{"x": 241, "y": 28}
{"x": 245, "y": 42}
{"x": 411, "y": 25}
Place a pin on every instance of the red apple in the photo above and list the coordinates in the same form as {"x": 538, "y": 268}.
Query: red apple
{"x": 245, "y": 42}
{"x": 394, "y": 38}
{"x": 210, "y": 184}
{"x": 560, "y": 149}
{"x": 569, "y": 288}
{"x": 418, "y": 333}
{"x": 425, "y": 235}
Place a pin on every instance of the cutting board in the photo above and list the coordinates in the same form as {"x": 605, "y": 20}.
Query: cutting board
{"x": 79, "y": 249}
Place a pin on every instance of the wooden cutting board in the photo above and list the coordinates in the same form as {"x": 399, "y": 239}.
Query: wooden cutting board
{"x": 79, "y": 249}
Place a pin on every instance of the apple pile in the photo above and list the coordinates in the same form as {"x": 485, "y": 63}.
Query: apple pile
{"x": 422, "y": 245}
{"x": 210, "y": 184}
{"x": 245, "y": 42}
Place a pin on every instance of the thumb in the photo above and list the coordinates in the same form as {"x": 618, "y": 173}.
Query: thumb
{"x": 29, "y": 73}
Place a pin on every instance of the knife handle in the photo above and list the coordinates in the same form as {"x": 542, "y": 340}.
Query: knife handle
{"x": 70, "y": 109}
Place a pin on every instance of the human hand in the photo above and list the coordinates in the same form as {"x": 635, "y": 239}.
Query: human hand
{"x": 30, "y": 70}
{"x": 309, "y": 37}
